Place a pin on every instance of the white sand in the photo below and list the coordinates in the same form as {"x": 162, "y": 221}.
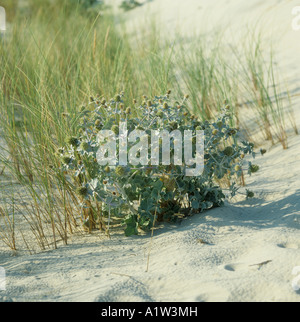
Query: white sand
{"x": 251, "y": 247}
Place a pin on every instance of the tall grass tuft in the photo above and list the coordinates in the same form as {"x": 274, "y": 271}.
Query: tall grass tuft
{"x": 50, "y": 66}
{"x": 263, "y": 92}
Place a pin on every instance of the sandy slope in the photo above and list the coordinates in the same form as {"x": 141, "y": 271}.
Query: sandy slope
{"x": 250, "y": 250}
{"x": 245, "y": 251}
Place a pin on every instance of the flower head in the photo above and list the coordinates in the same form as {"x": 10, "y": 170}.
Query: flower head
{"x": 98, "y": 123}
{"x": 84, "y": 146}
{"x": 72, "y": 141}
{"x": 66, "y": 160}
{"x": 82, "y": 191}
{"x": 160, "y": 114}
{"x": 229, "y": 151}
{"x": 115, "y": 129}
{"x": 120, "y": 171}
{"x": 237, "y": 168}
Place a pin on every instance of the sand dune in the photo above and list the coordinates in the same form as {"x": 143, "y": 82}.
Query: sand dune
{"x": 244, "y": 251}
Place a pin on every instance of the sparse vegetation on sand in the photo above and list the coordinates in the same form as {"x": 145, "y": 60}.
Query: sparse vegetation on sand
{"x": 57, "y": 55}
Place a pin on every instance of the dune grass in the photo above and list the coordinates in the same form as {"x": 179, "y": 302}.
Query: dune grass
{"x": 51, "y": 64}
{"x": 207, "y": 77}
{"x": 263, "y": 90}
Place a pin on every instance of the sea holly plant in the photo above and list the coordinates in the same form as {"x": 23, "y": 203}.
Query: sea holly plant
{"x": 119, "y": 174}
